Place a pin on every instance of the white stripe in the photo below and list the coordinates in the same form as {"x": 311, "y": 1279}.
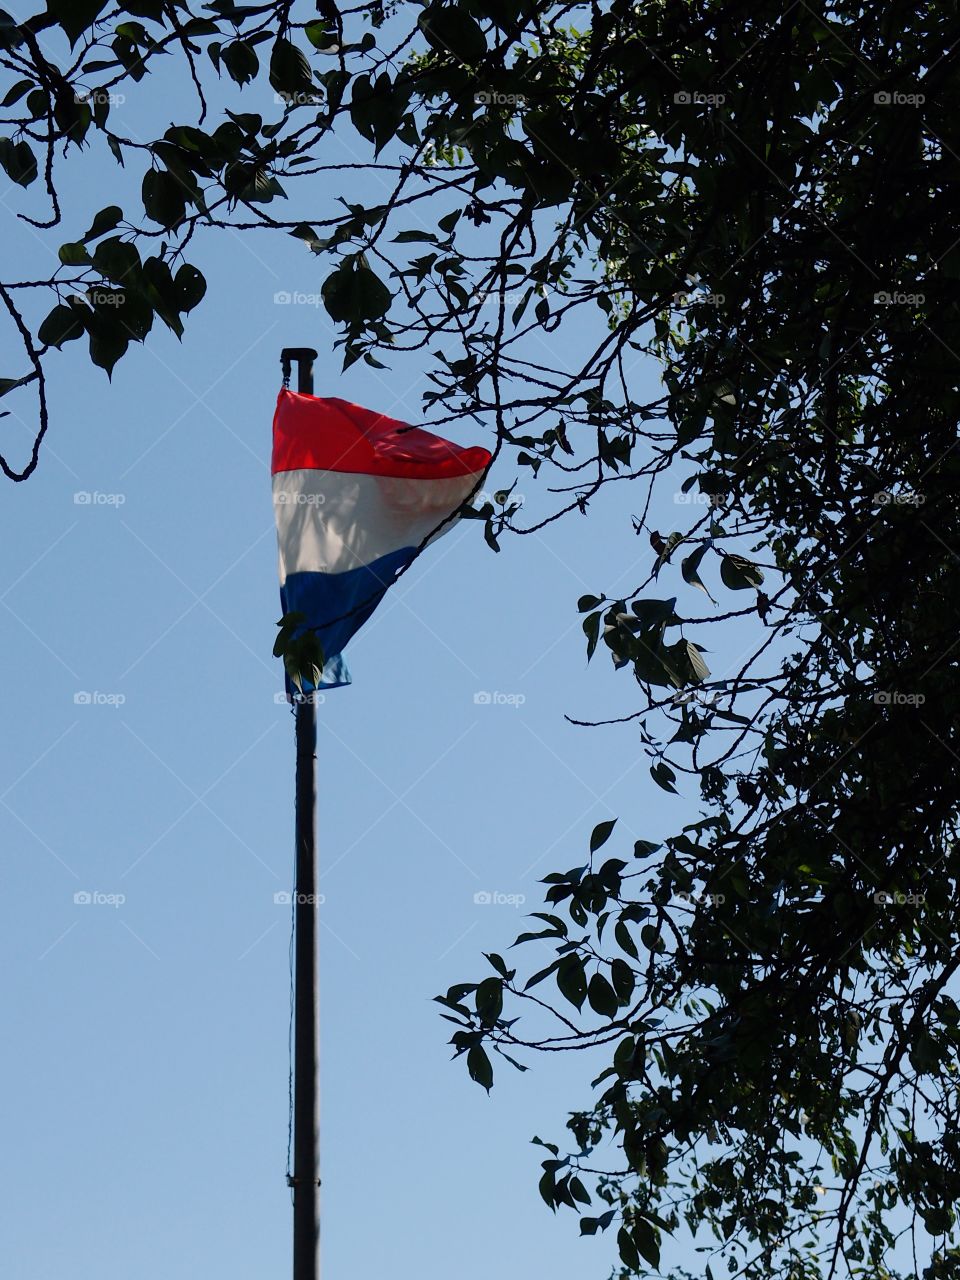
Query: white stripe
{"x": 332, "y": 521}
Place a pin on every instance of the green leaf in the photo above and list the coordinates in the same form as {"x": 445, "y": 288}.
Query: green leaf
{"x": 107, "y": 346}
{"x": 647, "y": 1242}
{"x": 628, "y": 1250}
{"x": 586, "y": 603}
{"x": 353, "y": 293}
{"x": 690, "y": 567}
{"x": 117, "y": 260}
{"x": 16, "y": 91}
{"x": 478, "y": 1064}
{"x": 624, "y": 940}
{"x": 451, "y": 30}
{"x": 623, "y": 979}
{"x": 18, "y": 161}
{"x": 654, "y": 613}
{"x": 63, "y": 324}
{"x": 643, "y": 848}
{"x": 104, "y": 221}
{"x": 591, "y": 629}
{"x": 602, "y": 997}
{"x": 411, "y": 237}
{"x": 739, "y": 573}
{"x": 572, "y": 980}
{"x": 489, "y": 1000}
{"x": 322, "y": 36}
{"x": 290, "y": 72}
{"x": 241, "y": 61}
{"x": 601, "y": 834}
{"x": 74, "y": 255}
{"x": 75, "y": 16}
{"x": 164, "y": 197}
{"x": 189, "y": 287}
{"x": 664, "y": 777}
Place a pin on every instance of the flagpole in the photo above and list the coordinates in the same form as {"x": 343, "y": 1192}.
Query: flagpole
{"x": 306, "y": 1053}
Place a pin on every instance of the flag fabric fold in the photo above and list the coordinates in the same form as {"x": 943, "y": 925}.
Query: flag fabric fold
{"x": 355, "y": 495}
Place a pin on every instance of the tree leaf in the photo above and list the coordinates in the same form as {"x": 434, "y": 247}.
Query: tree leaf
{"x": 572, "y": 980}
{"x": 602, "y": 997}
{"x": 479, "y": 1067}
{"x": 690, "y": 568}
{"x": 601, "y": 834}
{"x": 63, "y": 324}
{"x": 451, "y": 30}
{"x": 104, "y": 221}
{"x": 739, "y": 573}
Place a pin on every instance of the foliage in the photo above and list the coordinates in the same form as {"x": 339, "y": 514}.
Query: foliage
{"x": 762, "y": 198}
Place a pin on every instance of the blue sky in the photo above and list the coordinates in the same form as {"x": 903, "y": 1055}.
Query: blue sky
{"x": 148, "y": 764}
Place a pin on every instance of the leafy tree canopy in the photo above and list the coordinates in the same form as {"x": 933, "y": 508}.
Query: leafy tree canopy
{"x": 762, "y": 198}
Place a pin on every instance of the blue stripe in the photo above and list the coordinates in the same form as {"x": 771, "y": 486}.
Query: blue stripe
{"x": 325, "y": 599}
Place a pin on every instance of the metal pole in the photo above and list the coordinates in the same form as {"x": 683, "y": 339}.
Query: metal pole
{"x": 306, "y": 1054}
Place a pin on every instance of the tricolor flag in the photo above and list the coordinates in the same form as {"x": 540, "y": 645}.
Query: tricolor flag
{"x": 356, "y": 494}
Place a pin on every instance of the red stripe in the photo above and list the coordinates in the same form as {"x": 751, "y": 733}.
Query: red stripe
{"x": 334, "y": 435}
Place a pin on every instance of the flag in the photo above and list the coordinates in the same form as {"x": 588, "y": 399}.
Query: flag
{"x": 355, "y": 495}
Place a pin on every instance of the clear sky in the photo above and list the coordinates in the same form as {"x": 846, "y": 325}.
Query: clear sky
{"x": 147, "y": 763}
